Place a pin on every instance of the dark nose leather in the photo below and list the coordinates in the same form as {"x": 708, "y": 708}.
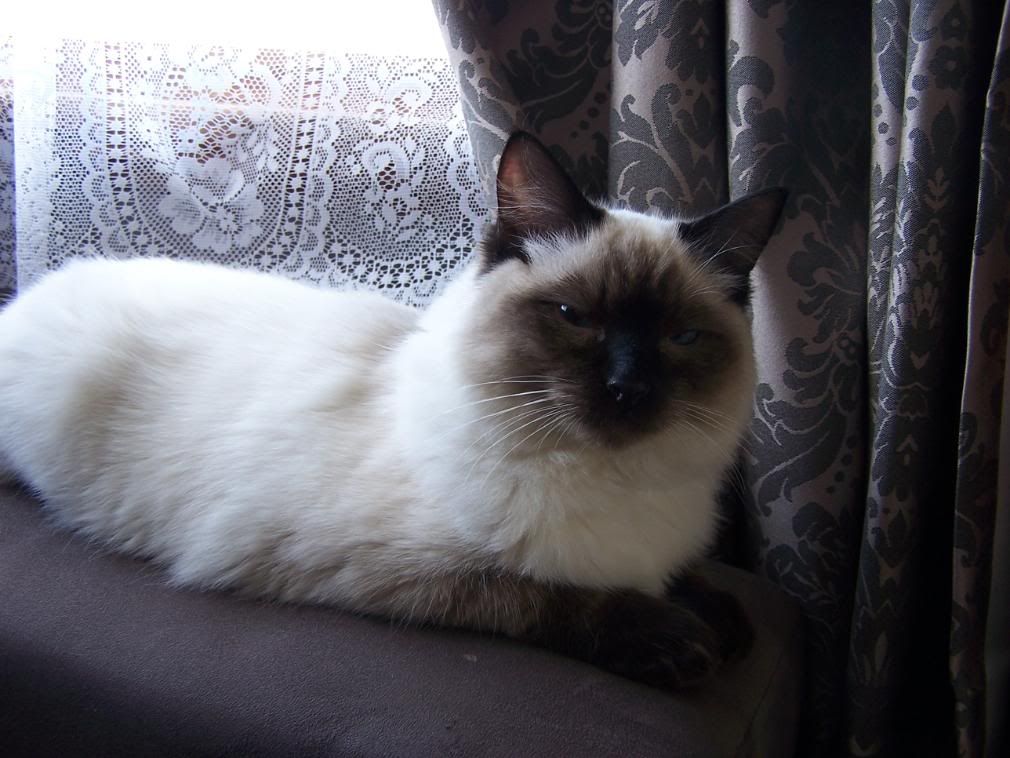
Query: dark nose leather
{"x": 627, "y": 391}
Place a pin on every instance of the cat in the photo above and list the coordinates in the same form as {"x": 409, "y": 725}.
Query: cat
{"x": 537, "y": 454}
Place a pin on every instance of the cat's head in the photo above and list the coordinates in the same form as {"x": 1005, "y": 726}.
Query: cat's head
{"x": 607, "y": 326}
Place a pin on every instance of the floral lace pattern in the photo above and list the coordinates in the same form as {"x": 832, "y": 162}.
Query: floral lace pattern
{"x": 344, "y": 170}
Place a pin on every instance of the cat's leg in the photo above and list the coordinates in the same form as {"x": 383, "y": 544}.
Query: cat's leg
{"x": 660, "y": 642}
{"x": 669, "y": 644}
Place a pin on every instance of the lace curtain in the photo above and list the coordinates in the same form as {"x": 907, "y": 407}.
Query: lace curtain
{"x": 345, "y": 169}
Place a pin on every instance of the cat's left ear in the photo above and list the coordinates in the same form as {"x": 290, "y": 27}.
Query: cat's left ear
{"x": 536, "y": 198}
{"x": 732, "y": 237}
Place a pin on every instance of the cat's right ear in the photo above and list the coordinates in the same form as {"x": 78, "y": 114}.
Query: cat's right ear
{"x": 536, "y": 198}
{"x": 732, "y": 237}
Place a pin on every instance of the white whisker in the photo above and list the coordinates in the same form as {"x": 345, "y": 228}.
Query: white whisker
{"x": 568, "y": 427}
{"x": 510, "y": 409}
{"x": 698, "y": 431}
{"x": 552, "y": 427}
{"x": 714, "y": 421}
{"x": 550, "y": 415}
{"x": 704, "y": 409}
{"x": 522, "y": 379}
{"x": 488, "y": 400}
{"x": 504, "y": 436}
{"x": 502, "y": 426}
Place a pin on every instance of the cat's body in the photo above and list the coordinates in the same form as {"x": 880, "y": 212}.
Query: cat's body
{"x": 237, "y": 442}
{"x": 253, "y": 433}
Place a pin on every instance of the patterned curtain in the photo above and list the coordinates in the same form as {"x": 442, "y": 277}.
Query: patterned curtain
{"x": 881, "y": 307}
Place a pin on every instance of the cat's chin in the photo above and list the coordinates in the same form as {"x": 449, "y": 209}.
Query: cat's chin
{"x": 661, "y": 428}
{"x": 583, "y": 437}
{"x": 616, "y": 430}
{"x": 620, "y": 436}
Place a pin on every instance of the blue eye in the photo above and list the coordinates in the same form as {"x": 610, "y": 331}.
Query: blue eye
{"x": 573, "y": 317}
{"x": 687, "y": 337}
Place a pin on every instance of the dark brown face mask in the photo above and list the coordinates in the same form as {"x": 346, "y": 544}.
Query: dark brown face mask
{"x": 637, "y": 325}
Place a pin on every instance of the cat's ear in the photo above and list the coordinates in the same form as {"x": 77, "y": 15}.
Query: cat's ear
{"x": 732, "y": 237}
{"x": 536, "y": 198}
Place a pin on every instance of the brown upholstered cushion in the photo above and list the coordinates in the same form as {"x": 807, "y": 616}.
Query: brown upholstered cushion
{"x": 99, "y": 657}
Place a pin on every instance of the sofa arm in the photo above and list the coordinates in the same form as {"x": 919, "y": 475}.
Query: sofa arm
{"x": 99, "y": 657}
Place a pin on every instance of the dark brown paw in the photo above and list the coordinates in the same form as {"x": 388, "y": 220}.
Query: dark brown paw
{"x": 657, "y": 642}
{"x": 720, "y": 611}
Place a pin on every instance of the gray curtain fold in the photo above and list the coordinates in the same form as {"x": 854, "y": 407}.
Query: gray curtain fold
{"x": 881, "y": 305}
{"x": 982, "y": 422}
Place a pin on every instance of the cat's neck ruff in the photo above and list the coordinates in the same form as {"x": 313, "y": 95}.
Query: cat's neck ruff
{"x": 573, "y": 512}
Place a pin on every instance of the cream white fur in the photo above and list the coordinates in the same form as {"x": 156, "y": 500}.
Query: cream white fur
{"x": 252, "y": 432}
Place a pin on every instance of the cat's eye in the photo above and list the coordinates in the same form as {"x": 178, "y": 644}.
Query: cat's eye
{"x": 574, "y": 317}
{"x": 686, "y": 337}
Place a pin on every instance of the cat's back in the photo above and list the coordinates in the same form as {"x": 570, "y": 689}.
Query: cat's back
{"x": 150, "y": 353}
{"x": 115, "y": 310}
{"x": 92, "y": 294}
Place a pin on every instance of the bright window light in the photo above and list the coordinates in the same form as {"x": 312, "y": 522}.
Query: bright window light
{"x": 386, "y": 27}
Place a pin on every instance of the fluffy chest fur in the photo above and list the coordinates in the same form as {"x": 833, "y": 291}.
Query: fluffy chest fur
{"x": 500, "y": 466}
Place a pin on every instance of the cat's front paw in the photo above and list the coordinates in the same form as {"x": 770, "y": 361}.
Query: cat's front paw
{"x": 720, "y": 610}
{"x": 657, "y": 642}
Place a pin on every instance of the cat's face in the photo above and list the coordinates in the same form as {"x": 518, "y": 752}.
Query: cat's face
{"x": 622, "y": 331}
{"x": 609, "y": 326}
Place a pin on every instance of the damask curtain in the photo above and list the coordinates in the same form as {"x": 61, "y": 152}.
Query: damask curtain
{"x": 875, "y": 470}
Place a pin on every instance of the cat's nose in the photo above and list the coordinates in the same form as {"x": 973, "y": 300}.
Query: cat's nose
{"x": 628, "y": 392}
